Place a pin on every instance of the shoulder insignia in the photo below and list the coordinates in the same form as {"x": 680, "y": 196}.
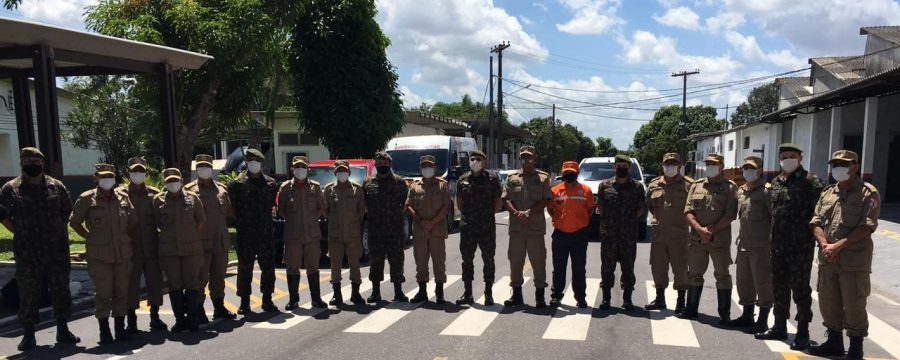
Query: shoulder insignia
{"x": 768, "y": 185}
{"x": 88, "y": 193}
{"x": 316, "y": 183}
{"x": 871, "y": 187}
{"x": 152, "y": 190}
{"x": 689, "y": 179}
{"x": 285, "y": 184}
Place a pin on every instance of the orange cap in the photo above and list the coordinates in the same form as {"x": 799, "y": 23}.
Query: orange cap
{"x": 569, "y": 166}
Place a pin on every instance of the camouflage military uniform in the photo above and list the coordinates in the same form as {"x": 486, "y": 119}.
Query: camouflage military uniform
{"x": 385, "y": 199}
{"x": 253, "y": 200}
{"x": 622, "y": 207}
{"x": 478, "y": 193}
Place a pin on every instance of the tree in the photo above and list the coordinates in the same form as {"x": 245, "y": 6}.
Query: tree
{"x": 761, "y": 101}
{"x": 344, "y": 86}
{"x": 605, "y": 147}
{"x": 555, "y": 146}
{"x": 663, "y": 134}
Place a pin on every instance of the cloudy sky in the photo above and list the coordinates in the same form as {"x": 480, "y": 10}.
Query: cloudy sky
{"x": 606, "y": 64}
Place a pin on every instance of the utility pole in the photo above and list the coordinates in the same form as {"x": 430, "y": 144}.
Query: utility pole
{"x": 499, "y": 50}
{"x": 491, "y": 144}
{"x": 683, "y": 127}
{"x": 553, "y": 124}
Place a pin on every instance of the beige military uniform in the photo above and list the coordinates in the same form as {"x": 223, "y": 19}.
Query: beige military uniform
{"x": 216, "y": 241}
{"x": 178, "y": 217}
{"x": 427, "y": 198}
{"x": 666, "y": 201}
{"x": 711, "y": 202}
{"x": 525, "y": 190}
{"x": 301, "y": 205}
{"x": 145, "y": 247}
{"x": 345, "y": 208}
{"x": 753, "y": 265}
{"x": 844, "y": 286}
{"x": 107, "y": 247}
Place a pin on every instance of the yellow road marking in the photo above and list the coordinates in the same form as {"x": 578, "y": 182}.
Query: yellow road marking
{"x": 527, "y": 267}
{"x": 791, "y": 355}
{"x": 894, "y": 235}
{"x": 440, "y": 358}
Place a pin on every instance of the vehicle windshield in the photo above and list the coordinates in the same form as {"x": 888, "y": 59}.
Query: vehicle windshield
{"x": 324, "y": 175}
{"x": 603, "y": 171}
{"x": 406, "y": 162}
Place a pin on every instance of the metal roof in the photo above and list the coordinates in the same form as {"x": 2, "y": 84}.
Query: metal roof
{"x": 798, "y": 86}
{"x": 889, "y": 33}
{"x": 845, "y": 68}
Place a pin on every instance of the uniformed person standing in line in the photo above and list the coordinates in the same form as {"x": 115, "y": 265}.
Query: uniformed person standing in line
{"x": 38, "y": 208}
{"x": 571, "y": 208}
{"x": 428, "y": 204}
{"x": 345, "y": 208}
{"x": 794, "y": 195}
{"x": 252, "y": 196}
{"x": 108, "y": 214}
{"x": 666, "y": 196}
{"x": 622, "y": 203}
{"x": 385, "y": 195}
{"x": 301, "y": 205}
{"x": 844, "y": 220}
{"x": 180, "y": 217}
{"x": 753, "y": 267}
{"x": 525, "y": 195}
{"x": 216, "y": 241}
{"x": 710, "y": 209}
{"x": 478, "y": 200}
{"x": 144, "y": 247}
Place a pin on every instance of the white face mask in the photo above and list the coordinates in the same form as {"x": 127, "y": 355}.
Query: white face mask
{"x": 751, "y": 175}
{"x": 712, "y": 171}
{"x": 173, "y": 187}
{"x": 476, "y": 165}
{"x": 300, "y": 173}
{"x": 343, "y": 176}
{"x": 428, "y": 172}
{"x": 789, "y": 165}
{"x": 204, "y": 172}
{"x": 137, "y": 178}
{"x": 670, "y": 170}
{"x": 106, "y": 183}
{"x": 254, "y": 166}
{"x": 840, "y": 173}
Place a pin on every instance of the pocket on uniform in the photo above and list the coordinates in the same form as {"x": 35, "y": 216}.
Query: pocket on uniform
{"x": 863, "y": 285}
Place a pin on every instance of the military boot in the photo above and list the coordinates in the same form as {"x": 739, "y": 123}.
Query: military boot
{"x": 692, "y": 303}
{"x": 337, "y": 298}
{"x": 724, "y": 298}
{"x": 834, "y": 346}
{"x": 626, "y": 300}
{"x": 855, "y": 352}
{"x": 63, "y": 335}
{"x": 659, "y": 303}
{"x": 132, "y": 323}
{"x": 105, "y": 335}
{"x": 201, "y": 312}
{"x": 355, "y": 297}
{"x": 679, "y": 302}
{"x": 219, "y": 310}
{"x": 801, "y": 340}
{"x": 555, "y": 299}
{"x": 244, "y": 308}
{"x": 314, "y": 291}
{"x": 375, "y": 296}
{"x": 155, "y": 322}
{"x": 119, "y": 328}
{"x": 192, "y": 309}
{"x": 745, "y": 320}
{"x": 439, "y": 293}
{"x": 488, "y": 294}
{"x": 267, "y": 304}
{"x": 515, "y": 299}
{"x": 466, "y": 298}
{"x": 607, "y": 296}
{"x": 539, "y": 298}
{"x": 176, "y": 298}
{"x": 778, "y": 331}
{"x": 28, "y": 342}
{"x": 399, "y": 296}
{"x": 762, "y": 321}
{"x": 422, "y": 295}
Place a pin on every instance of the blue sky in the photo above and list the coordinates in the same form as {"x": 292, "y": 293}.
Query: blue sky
{"x": 584, "y": 55}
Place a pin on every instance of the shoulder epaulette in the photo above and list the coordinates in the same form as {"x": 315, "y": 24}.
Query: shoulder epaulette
{"x": 656, "y": 179}
{"x": 689, "y": 179}
{"x": 871, "y": 187}
{"x": 543, "y": 172}
{"x": 768, "y": 185}
{"x": 285, "y": 184}
{"x": 88, "y": 193}
{"x": 316, "y": 183}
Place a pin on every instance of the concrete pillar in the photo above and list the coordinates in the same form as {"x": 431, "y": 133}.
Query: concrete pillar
{"x": 771, "y": 162}
{"x": 837, "y": 124}
{"x": 869, "y": 131}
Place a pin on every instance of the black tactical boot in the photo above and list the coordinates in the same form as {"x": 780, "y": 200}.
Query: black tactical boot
{"x": 399, "y": 296}
{"x": 834, "y": 346}
{"x": 855, "y": 352}
{"x": 105, "y": 335}
{"x": 28, "y": 342}
{"x": 201, "y": 312}
{"x": 155, "y": 322}
{"x": 355, "y": 297}
{"x": 692, "y": 303}
{"x": 314, "y": 291}
{"x": 268, "y": 305}
{"x": 439, "y": 293}
{"x": 745, "y": 320}
{"x": 801, "y": 340}
{"x": 659, "y": 303}
{"x": 488, "y": 294}
{"x": 466, "y": 298}
{"x": 63, "y": 335}
{"x": 626, "y": 300}
{"x": 555, "y": 299}
{"x": 219, "y": 310}
{"x": 176, "y": 298}
{"x": 244, "y": 309}
{"x": 119, "y": 328}
{"x": 192, "y": 310}
{"x": 337, "y": 298}
{"x": 515, "y": 299}
{"x": 762, "y": 322}
{"x": 132, "y": 323}
{"x": 778, "y": 331}
{"x": 724, "y": 297}
{"x": 422, "y": 295}
{"x": 293, "y": 283}
{"x": 539, "y": 298}
{"x": 375, "y": 296}
{"x": 607, "y": 296}
{"x": 581, "y": 303}
{"x": 679, "y": 302}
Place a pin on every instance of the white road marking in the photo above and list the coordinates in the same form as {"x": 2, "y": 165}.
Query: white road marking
{"x": 886, "y": 299}
{"x": 288, "y": 320}
{"x": 124, "y": 355}
{"x": 388, "y": 315}
{"x": 572, "y": 323}
{"x": 879, "y": 332}
{"x": 665, "y": 327}
{"x": 774, "y": 345}
{"x": 475, "y": 320}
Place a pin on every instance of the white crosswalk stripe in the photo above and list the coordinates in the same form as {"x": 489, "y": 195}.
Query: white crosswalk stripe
{"x": 288, "y": 320}
{"x": 387, "y": 316}
{"x": 475, "y": 320}
{"x": 879, "y": 332}
{"x": 774, "y": 345}
{"x": 569, "y": 322}
{"x": 667, "y": 329}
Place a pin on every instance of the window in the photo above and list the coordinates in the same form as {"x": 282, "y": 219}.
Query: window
{"x": 287, "y": 139}
{"x": 308, "y": 139}
{"x": 746, "y": 142}
{"x": 730, "y": 145}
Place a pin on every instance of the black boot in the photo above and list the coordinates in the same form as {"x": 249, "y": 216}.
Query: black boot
{"x": 488, "y": 294}
{"x": 466, "y": 298}
{"x": 762, "y": 322}
{"x": 659, "y": 303}
{"x": 855, "y": 352}
{"x": 355, "y": 297}
{"x": 539, "y": 298}
{"x": 834, "y": 346}
{"x": 515, "y": 299}
{"x": 607, "y": 296}
{"x": 724, "y": 298}
{"x": 314, "y": 291}
{"x": 244, "y": 308}
{"x": 176, "y": 298}
{"x": 422, "y": 295}
{"x": 375, "y": 296}
{"x": 337, "y": 298}
{"x": 219, "y": 310}
{"x": 439, "y": 293}
{"x": 192, "y": 310}
{"x": 201, "y": 312}
{"x": 399, "y": 296}
{"x": 555, "y": 298}
{"x": 778, "y": 331}
{"x": 155, "y": 322}
{"x": 293, "y": 282}
{"x": 268, "y": 305}
{"x": 28, "y": 342}
{"x": 63, "y": 335}
{"x": 626, "y": 300}
{"x": 132, "y": 323}
{"x": 119, "y": 328}
{"x": 692, "y": 303}
{"x": 679, "y": 302}
{"x": 745, "y": 320}
{"x": 801, "y": 340}
{"x": 105, "y": 335}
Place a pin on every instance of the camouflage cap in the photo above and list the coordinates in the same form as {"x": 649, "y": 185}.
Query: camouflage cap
{"x": 622, "y": 158}
{"x": 204, "y": 159}
{"x": 714, "y": 158}
{"x": 752, "y": 161}
{"x": 477, "y": 153}
{"x": 671, "y": 157}
{"x": 31, "y": 152}
{"x": 341, "y": 165}
{"x": 427, "y": 160}
{"x": 137, "y": 162}
{"x": 527, "y": 150}
{"x": 255, "y": 153}
{"x": 383, "y": 155}
{"x": 171, "y": 174}
{"x": 300, "y": 160}
{"x": 104, "y": 170}
{"x": 790, "y": 147}
{"x": 569, "y": 167}
{"x": 844, "y": 155}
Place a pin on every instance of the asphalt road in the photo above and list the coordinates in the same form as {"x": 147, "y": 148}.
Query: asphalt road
{"x": 431, "y": 331}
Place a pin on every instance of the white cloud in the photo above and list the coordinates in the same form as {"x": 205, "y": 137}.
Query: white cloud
{"x": 591, "y": 17}
{"x": 724, "y": 21}
{"x": 750, "y": 50}
{"x": 540, "y": 5}
{"x": 65, "y": 13}
{"x": 411, "y": 99}
{"x": 680, "y": 17}
{"x": 645, "y": 47}
{"x": 525, "y": 20}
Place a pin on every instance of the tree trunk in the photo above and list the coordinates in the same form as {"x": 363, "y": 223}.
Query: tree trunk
{"x": 186, "y": 136}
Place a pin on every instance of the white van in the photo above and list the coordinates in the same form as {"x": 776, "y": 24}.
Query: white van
{"x": 592, "y": 171}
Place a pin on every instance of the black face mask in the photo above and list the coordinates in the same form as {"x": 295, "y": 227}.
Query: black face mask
{"x": 383, "y": 170}
{"x": 570, "y": 177}
{"x": 32, "y": 169}
{"x": 621, "y": 172}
